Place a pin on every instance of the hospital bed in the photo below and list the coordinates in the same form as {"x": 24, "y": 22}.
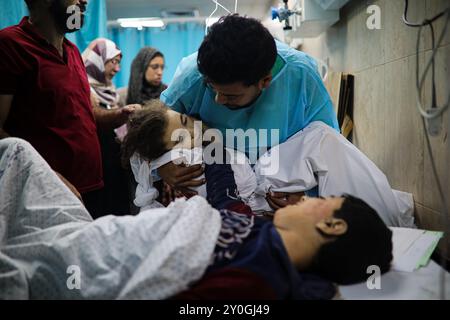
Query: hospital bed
{"x": 54, "y": 231}
{"x": 422, "y": 284}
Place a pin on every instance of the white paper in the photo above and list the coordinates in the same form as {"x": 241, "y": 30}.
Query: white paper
{"x": 409, "y": 246}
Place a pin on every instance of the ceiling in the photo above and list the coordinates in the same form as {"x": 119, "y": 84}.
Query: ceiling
{"x": 153, "y": 8}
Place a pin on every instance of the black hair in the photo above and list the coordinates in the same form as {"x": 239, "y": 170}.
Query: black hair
{"x": 368, "y": 241}
{"x": 158, "y": 54}
{"x": 146, "y": 130}
{"x": 236, "y": 49}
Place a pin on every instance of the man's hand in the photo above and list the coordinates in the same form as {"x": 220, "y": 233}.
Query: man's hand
{"x": 70, "y": 186}
{"x": 277, "y": 200}
{"x": 181, "y": 178}
{"x": 115, "y": 117}
{"x": 125, "y": 112}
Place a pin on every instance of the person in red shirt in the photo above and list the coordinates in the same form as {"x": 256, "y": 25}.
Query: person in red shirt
{"x": 45, "y": 96}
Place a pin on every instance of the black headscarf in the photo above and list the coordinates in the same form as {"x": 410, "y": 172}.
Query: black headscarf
{"x": 139, "y": 91}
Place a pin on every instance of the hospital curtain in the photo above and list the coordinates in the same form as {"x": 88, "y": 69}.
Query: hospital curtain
{"x": 11, "y": 12}
{"x": 94, "y": 25}
{"x": 175, "y": 41}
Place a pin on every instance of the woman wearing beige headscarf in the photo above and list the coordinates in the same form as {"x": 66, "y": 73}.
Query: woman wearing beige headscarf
{"x": 102, "y": 60}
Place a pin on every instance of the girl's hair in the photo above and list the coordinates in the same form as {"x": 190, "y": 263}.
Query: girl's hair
{"x": 146, "y": 130}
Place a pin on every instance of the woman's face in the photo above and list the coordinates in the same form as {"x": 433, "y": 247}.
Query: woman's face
{"x": 154, "y": 71}
{"x": 112, "y": 67}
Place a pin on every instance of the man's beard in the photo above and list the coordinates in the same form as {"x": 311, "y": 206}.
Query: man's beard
{"x": 59, "y": 13}
{"x": 248, "y": 105}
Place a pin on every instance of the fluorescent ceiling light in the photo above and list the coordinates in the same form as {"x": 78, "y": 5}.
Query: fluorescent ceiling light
{"x": 141, "y": 23}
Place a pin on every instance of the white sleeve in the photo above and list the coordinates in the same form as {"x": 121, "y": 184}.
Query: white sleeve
{"x": 146, "y": 193}
{"x": 290, "y": 166}
{"x": 351, "y": 172}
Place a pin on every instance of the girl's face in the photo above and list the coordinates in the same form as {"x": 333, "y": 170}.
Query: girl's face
{"x": 182, "y": 131}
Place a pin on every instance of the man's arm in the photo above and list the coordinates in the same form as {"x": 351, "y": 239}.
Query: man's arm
{"x": 111, "y": 118}
{"x": 5, "y": 106}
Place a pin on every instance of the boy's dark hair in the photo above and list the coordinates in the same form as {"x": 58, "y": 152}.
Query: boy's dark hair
{"x": 146, "y": 129}
{"x": 368, "y": 241}
{"x": 237, "y": 49}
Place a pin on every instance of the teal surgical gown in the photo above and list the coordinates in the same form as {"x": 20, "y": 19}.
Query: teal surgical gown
{"x": 295, "y": 97}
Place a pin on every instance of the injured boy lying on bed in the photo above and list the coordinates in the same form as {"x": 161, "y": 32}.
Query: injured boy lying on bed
{"x": 51, "y": 248}
{"x": 316, "y": 161}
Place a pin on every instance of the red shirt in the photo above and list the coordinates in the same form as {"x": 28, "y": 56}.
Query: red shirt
{"x": 51, "y": 108}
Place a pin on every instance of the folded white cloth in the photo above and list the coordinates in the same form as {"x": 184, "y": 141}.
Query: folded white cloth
{"x": 46, "y": 235}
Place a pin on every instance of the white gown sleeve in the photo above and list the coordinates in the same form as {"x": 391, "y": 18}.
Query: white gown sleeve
{"x": 319, "y": 156}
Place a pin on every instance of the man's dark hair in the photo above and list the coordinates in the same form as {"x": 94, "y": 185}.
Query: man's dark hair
{"x": 368, "y": 241}
{"x": 146, "y": 129}
{"x": 237, "y": 49}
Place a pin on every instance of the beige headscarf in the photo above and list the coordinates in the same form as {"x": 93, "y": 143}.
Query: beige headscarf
{"x": 95, "y": 56}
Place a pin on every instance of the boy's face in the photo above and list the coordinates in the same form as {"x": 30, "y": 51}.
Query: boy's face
{"x": 299, "y": 226}
{"x": 308, "y": 213}
{"x": 180, "y": 131}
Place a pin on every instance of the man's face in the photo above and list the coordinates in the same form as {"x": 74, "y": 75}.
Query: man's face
{"x": 58, "y": 10}
{"x": 235, "y": 95}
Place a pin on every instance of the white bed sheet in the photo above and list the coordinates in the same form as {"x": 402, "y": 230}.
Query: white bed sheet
{"x": 422, "y": 284}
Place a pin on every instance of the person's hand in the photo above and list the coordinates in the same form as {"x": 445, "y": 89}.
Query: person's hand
{"x": 277, "y": 200}
{"x": 122, "y": 114}
{"x": 70, "y": 186}
{"x": 125, "y": 112}
{"x": 185, "y": 193}
{"x": 168, "y": 194}
{"x": 181, "y": 178}
{"x": 129, "y": 109}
